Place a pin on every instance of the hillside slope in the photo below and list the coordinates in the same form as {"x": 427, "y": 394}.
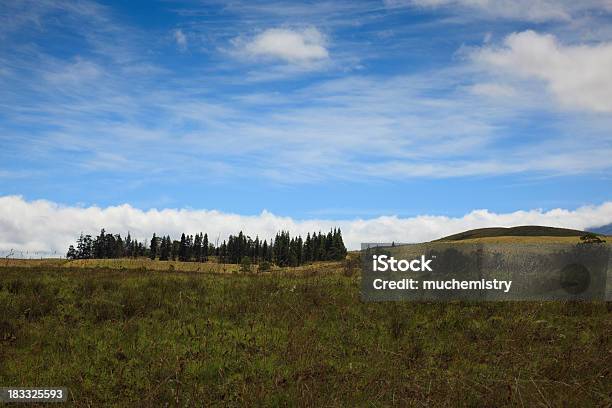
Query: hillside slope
{"x": 522, "y": 231}
{"x": 604, "y": 229}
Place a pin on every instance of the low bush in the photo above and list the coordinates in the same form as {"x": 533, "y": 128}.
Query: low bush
{"x": 264, "y": 266}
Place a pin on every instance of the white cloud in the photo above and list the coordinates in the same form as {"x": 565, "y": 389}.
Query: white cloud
{"x": 77, "y": 72}
{"x": 577, "y": 75}
{"x": 293, "y": 46}
{"x": 349, "y": 127}
{"x": 181, "y": 39}
{"x": 46, "y": 226}
{"x": 493, "y": 90}
{"x": 528, "y": 10}
{"x": 420, "y": 132}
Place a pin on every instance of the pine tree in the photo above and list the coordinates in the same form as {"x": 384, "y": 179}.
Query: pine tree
{"x": 188, "y": 247}
{"x": 283, "y": 250}
{"x": 182, "y": 252}
{"x": 134, "y": 251}
{"x": 264, "y": 251}
{"x": 72, "y": 253}
{"x": 127, "y": 245}
{"x": 205, "y": 247}
{"x": 98, "y": 246}
{"x": 153, "y": 251}
{"x": 223, "y": 252}
{"x": 197, "y": 247}
{"x": 165, "y": 249}
{"x": 338, "y": 245}
{"x": 175, "y": 248}
{"x": 84, "y": 247}
{"x": 307, "y": 249}
{"x": 118, "y": 247}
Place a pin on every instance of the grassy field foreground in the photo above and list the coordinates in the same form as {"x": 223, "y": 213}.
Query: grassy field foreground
{"x": 149, "y": 338}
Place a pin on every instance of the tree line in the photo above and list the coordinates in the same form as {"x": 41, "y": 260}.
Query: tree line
{"x": 282, "y": 250}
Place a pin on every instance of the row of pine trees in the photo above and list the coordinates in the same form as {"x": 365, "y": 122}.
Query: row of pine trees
{"x": 283, "y": 250}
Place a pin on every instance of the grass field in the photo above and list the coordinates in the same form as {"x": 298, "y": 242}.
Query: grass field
{"x": 152, "y": 336}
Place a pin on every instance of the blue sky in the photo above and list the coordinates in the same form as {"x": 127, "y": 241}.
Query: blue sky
{"x": 335, "y": 110}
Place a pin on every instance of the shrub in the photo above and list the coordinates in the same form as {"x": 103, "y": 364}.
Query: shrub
{"x": 264, "y": 266}
{"x": 590, "y": 238}
{"x": 351, "y": 265}
{"x": 245, "y": 264}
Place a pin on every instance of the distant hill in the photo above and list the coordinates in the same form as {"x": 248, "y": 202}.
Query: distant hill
{"x": 605, "y": 229}
{"x": 522, "y": 231}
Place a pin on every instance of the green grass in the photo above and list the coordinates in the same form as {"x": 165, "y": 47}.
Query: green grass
{"x": 145, "y": 338}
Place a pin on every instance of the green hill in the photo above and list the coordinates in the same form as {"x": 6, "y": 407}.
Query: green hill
{"x": 522, "y": 231}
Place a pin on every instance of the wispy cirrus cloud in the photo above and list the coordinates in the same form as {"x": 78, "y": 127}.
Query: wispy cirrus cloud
{"x": 116, "y": 106}
{"x": 356, "y": 128}
{"x": 79, "y": 71}
{"x": 524, "y": 10}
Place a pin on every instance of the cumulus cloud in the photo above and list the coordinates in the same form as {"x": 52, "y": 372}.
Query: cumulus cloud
{"x": 293, "y": 46}
{"x": 180, "y": 38}
{"x": 578, "y": 76}
{"x": 44, "y": 226}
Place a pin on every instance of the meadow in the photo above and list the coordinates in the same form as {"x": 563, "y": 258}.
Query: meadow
{"x": 147, "y": 334}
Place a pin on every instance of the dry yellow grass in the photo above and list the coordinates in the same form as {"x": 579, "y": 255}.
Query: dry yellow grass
{"x": 123, "y": 263}
{"x": 153, "y": 265}
{"x": 156, "y": 265}
{"x": 33, "y": 263}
